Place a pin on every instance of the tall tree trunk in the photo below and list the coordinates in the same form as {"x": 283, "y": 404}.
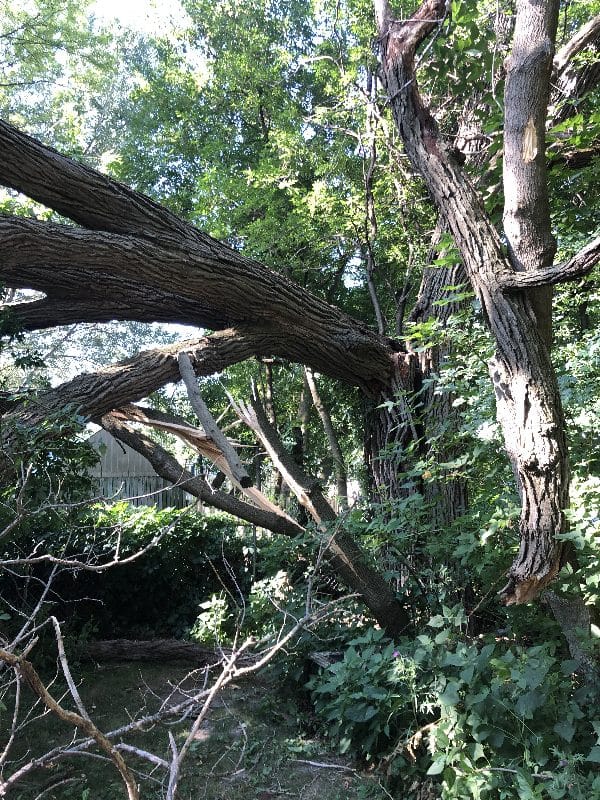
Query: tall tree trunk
{"x": 528, "y": 401}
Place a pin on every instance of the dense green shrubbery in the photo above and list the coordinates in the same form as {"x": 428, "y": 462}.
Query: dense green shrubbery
{"x": 160, "y": 593}
{"x": 486, "y": 718}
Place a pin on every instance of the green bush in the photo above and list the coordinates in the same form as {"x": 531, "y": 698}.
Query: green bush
{"x": 489, "y": 718}
{"x": 160, "y": 593}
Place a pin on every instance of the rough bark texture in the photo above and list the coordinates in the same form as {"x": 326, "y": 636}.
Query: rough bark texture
{"x": 531, "y": 244}
{"x": 132, "y": 259}
{"x": 137, "y": 261}
{"x": 528, "y": 402}
{"x": 94, "y": 394}
{"x": 447, "y": 496}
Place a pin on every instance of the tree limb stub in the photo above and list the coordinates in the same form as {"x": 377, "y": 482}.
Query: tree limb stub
{"x": 203, "y": 444}
{"x": 165, "y": 465}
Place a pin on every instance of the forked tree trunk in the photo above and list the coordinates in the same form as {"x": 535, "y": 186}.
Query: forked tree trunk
{"x": 528, "y": 402}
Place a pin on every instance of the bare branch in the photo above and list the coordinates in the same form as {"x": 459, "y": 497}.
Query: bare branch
{"x": 588, "y": 34}
{"x": 208, "y": 422}
{"x": 332, "y": 439}
{"x": 67, "y": 671}
{"x": 348, "y": 558}
{"x": 581, "y": 264}
{"x": 572, "y": 81}
{"x": 177, "y": 710}
{"x": 203, "y": 444}
{"x": 28, "y": 672}
{"x": 305, "y": 488}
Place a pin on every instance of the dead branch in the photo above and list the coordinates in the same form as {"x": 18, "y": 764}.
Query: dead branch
{"x": 30, "y": 675}
{"x": 209, "y": 424}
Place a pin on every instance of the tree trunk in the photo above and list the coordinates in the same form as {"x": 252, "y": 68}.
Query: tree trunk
{"x": 528, "y": 402}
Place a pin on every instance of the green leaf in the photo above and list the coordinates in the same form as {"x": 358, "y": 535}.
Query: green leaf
{"x": 594, "y": 755}
{"x": 442, "y": 636}
{"x": 438, "y": 766}
{"x": 529, "y": 702}
{"x": 450, "y": 696}
{"x": 361, "y": 712}
{"x": 437, "y": 621}
{"x": 566, "y": 730}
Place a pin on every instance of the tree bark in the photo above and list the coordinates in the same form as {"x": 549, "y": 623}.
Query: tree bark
{"x": 91, "y": 268}
{"x": 528, "y": 401}
{"x": 155, "y": 650}
{"x": 531, "y": 245}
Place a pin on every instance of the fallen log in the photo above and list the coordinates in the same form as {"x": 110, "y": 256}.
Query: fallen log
{"x": 154, "y": 650}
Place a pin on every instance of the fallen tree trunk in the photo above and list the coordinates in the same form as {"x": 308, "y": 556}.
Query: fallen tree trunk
{"x": 156, "y": 650}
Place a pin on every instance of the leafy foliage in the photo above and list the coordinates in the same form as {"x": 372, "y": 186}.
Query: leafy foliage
{"x": 486, "y": 718}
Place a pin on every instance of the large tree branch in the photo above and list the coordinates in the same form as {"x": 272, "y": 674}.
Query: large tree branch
{"x": 202, "y": 443}
{"x": 581, "y": 264}
{"x": 305, "y": 488}
{"x": 131, "y": 275}
{"x": 84, "y": 195}
{"x": 587, "y": 36}
{"x": 140, "y": 306}
{"x": 95, "y": 394}
{"x": 348, "y": 558}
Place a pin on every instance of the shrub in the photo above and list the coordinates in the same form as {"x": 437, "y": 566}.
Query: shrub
{"x": 490, "y": 718}
{"x": 161, "y": 592}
